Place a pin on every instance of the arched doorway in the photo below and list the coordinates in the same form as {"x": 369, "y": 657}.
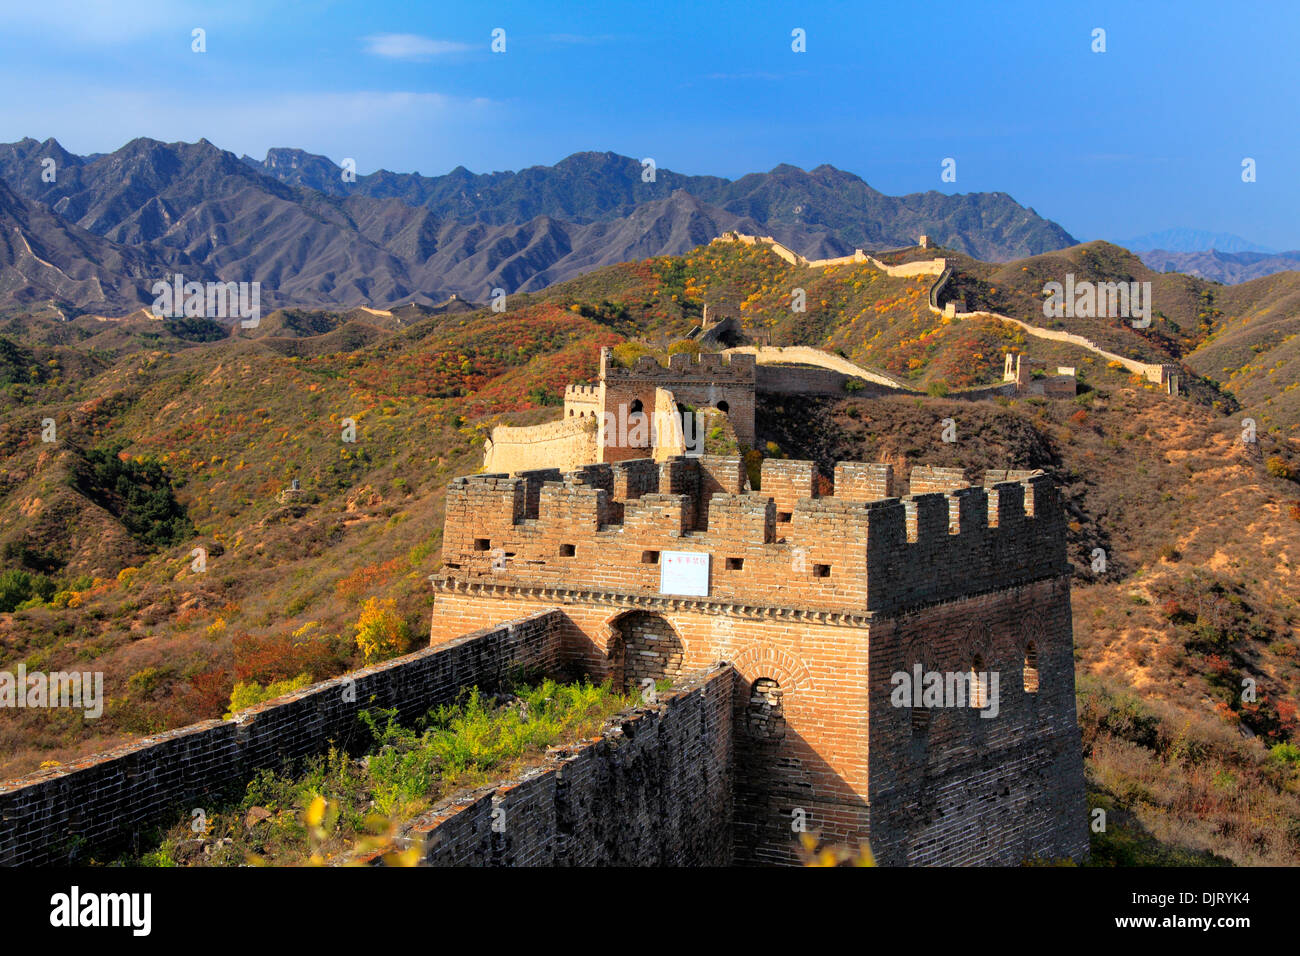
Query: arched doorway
{"x": 765, "y": 712}
{"x": 644, "y": 645}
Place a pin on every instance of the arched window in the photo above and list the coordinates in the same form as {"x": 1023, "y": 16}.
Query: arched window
{"x": 765, "y": 715}
{"x": 644, "y": 645}
{"x": 1031, "y": 668}
{"x": 723, "y": 407}
{"x": 978, "y": 689}
{"x": 636, "y": 406}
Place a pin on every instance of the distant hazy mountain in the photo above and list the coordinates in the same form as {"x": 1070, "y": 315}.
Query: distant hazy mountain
{"x": 1227, "y": 267}
{"x": 292, "y": 223}
{"x": 1191, "y": 240}
{"x": 588, "y": 187}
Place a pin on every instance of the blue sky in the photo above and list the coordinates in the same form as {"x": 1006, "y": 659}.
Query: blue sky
{"x": 1149, "y": 135}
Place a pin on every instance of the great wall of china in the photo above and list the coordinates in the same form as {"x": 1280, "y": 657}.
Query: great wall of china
{"x": 1158, "y": 373}
{"x": 730, "y": 379}
{"x": 815, "y": 601}
{"x": 782, "y": 628}
{"x": 788, "y": 613}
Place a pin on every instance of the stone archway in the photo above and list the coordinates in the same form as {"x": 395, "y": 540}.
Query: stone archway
{"x": 774, "y": 767}
{"x": 643, "y": 645}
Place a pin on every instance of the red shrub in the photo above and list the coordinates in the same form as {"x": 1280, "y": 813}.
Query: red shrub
{"x": 280, "y": 656}
{"x": 207, "y": 695}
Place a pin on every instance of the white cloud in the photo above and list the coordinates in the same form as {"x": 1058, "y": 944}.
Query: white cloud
{"x": 410, "y": 46}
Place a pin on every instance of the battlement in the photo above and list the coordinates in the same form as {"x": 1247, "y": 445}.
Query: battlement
{"x": 581, "y": 394}
{"x": 683, "y": 368}
{"x": 857, "y": 549}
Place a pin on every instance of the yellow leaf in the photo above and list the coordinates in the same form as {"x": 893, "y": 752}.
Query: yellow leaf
{"x": 316, "y": 812}
{"x": 409, "y": 857}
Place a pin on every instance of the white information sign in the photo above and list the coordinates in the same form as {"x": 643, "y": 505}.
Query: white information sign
{"x": 684, "y": 572}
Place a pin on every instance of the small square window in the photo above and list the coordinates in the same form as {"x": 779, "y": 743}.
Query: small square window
{"x": 482, "y": 544}
{"x": 568, "y": 550}
{"x": 821, "y": 570}
{"x": 735, "y": 564}
{"x": 784, "y": 516}
{"x": 649, "y": 557}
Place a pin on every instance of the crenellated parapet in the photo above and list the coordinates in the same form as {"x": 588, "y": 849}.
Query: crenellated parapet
{"x": 709, "y": 379}
{"x": 683, "y": 369}
{"x": 581, "y": 400}
{"x": 607, "y": 526}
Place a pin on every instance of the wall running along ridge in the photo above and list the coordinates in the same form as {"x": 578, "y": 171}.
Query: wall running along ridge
{"x": 1156, "y": 372}
{"x": 94, "y": 807}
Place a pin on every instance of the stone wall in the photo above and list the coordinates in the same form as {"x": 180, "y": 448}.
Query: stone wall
{"x": 653, "y": 790}
{"x": 785, "y": 482}
{"x": 949, "y": 787}
{"x": 814, "y": 761}
{"x": 1155, "y": 372}
{"x": 920, "y": 267}
{"x": 710, "y": 379}
{"x": 927, "y": 479}
{"x": 845, "y": 552}
{"x": 793, "y": 356}
{"x": 864, "y": 481}
{"x": 567, "y": 443}
{"x": 581, "y": 400}
{"x": 96, "y": 805}
{"x": 815, "y": 614}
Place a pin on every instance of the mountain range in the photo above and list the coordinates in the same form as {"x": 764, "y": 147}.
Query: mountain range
{"x": 90, "y": 234}
{"x": 1226, "y": 267}
{"x": 1184, "y": 239}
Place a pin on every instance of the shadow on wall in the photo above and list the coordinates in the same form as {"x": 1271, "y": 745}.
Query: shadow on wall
{"x": 783, "y": 788}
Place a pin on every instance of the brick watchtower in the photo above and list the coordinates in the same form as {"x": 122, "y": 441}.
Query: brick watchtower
{"x": 819, "y": 603}
{"x": 710, "y": 379}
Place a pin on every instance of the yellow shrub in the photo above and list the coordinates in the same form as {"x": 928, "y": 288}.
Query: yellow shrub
{"x": 249, "y": 694}
{"x": 381, "y": 632}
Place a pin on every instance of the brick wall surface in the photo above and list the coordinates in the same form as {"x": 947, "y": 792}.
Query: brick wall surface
{"x": 653, "y": 790}
{"x": 94, "y": 806}
{"x": 566, "y": 443}
{"x": 957, "y": 788}
{"x": 709, "y": 379}
{"x": 816, "y": 614}
{"x": 817, "y": 764}
{"x": 835, "y": 553}
{"x": 863, "y": 481}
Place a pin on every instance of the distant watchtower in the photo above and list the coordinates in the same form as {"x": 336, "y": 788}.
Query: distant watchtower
{"x": 724, "y": 382}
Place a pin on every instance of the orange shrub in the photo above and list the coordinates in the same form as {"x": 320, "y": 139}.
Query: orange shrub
{"x": 275, "y": 657}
